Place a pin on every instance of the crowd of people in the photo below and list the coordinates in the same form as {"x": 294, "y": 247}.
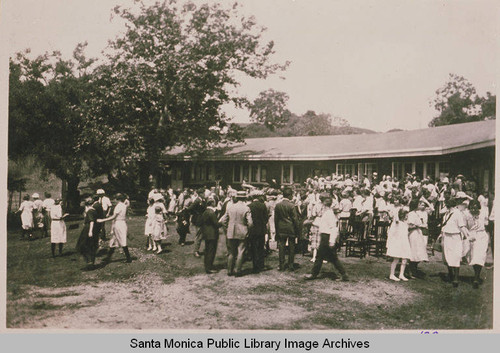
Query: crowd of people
{"x": 451, "y": 216}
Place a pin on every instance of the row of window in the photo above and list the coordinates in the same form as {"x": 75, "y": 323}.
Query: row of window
{"x": 290, "y": 173}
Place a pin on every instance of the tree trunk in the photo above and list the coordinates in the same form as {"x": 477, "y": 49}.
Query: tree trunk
{"x": 71, "y": 194}
{"x": 9, "y": 207}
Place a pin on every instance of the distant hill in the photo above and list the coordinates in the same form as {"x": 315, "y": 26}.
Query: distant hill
{"x": 254, "y": 130}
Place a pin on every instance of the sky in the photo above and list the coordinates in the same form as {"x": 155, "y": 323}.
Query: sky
{"x": 375, "y": 63}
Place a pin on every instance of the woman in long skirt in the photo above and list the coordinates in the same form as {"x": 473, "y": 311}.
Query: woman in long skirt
{"x": 417, "y": 240}
{"x": 479, "y": 240}
{"x": 26, "y": 209}
{"x": 57, "y": 227}
{"x": 119, "y": 229}
{"x": 454, "y": 230}
{"x": 88, "y": 242}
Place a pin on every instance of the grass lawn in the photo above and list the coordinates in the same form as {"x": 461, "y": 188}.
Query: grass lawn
{"x": 172, "y": 291}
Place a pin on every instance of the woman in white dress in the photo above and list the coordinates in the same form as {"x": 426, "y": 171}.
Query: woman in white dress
{"x": 454, "y": 230}
{"x": 398, "y": 245}
{"x": 118, "y": 228}
{"x": 26, "y": 209}
{"x": 172, "y": 203}
{"x": 148, "y": 227}
{"x": 57, "y": 227}
{"x": 417, "y": 240}
{"x": 479, "y": 240}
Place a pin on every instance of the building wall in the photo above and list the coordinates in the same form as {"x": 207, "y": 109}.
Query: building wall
{"x": 478, "y": 164}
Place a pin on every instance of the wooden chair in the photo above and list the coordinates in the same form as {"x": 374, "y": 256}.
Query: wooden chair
{"x": 345, "y": 231}
{"x": 376, "y": 242}
{"x": 355, "y": 244}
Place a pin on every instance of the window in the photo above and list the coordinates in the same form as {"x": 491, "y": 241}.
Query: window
{"x": 254, "y": 174}
{"x": 210, "y": 172}
{"x": 396, "y": 170}
{"x": 444, "y": 168}
{"x": 286, "y": 172}
{"x": 191, "y": 169}
{"x": 246, "y": 171}
{"x": 419, "y": 169}
{"x": 236, "y": 173}
{"x": 431, "y": 169}
{"x": 177, "y": 173}
{"x": 263, "y": 174}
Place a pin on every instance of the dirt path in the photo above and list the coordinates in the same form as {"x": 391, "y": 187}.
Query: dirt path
{"x": 199, "y": 302}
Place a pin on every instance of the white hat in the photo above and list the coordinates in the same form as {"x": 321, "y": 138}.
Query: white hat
{"x": 100, "y": 192}
{"x": 462, "y": 195}
{"x": 157, "y": 197}
{"x": 35, "y": 195}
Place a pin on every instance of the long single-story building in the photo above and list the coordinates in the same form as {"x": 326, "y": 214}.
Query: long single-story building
{"x": 467, "y": 149}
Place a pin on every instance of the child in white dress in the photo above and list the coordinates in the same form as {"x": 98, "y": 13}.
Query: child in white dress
{"x": 148, "y": 228}
{"x": 479, "y": 240}
{"x": 158, "y": 229}
{"x": 398, "y": 245}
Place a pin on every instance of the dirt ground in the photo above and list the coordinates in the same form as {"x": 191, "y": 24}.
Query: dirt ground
{"x": 171, "y": 291}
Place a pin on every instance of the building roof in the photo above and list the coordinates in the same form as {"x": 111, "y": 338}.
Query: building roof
{"x": 434, "y": 141}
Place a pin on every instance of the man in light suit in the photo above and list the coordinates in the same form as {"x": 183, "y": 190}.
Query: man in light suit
{"x": 237, "y": 220}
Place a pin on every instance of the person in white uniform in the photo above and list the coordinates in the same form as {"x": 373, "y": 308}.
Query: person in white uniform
{"x": 57, "y": 227}
{"x": 398, "y": 245}
{"x": 479, "y": 240}
{"x": 454, "y": 230}
{"x": 118, "y": 229}
{"x": 26, "y": 209}
{"x": 418, "y": 243}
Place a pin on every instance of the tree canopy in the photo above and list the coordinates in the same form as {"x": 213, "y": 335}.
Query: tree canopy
{"x": 166, "y": 79}
{"x": 160, "y": 84}
{"x": 458, "y": 102}
{"x": 269, "y": 109}
{"x": 45, "y": 119}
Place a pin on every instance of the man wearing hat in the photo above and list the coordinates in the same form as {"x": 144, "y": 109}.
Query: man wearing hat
{"x": 286, "y": 222}
{"x": 196, "y": 208}
{"x": 236, "y": 220}
{"x": 257, "y": 233}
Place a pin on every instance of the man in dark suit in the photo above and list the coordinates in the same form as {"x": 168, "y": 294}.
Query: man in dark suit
{"x": 257, "y": 233}
{"x": 196, "y": 209}
{"x": 210, "y": 232}
{"x": 287, "y": 229}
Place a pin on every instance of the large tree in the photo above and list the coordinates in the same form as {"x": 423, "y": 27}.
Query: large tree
{"x": 166, "y": 79}
{"x": 458, "y": 102}
{"x": 45, "y": 117}
{"x": 270, "y": 109}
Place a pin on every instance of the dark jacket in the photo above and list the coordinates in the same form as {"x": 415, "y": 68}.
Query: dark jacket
{"x": 286, "y": 220}
{"x": 260, "y": 217}
{"x": 209, "y": 225}
{"x": 196, "y": 209}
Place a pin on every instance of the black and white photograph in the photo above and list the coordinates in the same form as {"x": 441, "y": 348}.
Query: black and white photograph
{"x": 284, "y": 165}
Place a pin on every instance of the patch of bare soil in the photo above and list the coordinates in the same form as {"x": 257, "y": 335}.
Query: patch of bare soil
{"x": 199, "y": 302}
{"x": 374, "y": 292}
